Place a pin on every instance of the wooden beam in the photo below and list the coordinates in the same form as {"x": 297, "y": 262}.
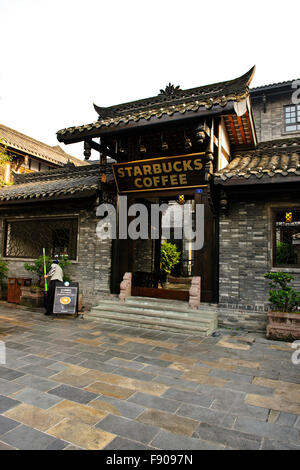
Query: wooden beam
{"x": 212, "y": 135}
{"x": 95, "y": 146}
{"x": 250, "y": 127}
{"x": 241, "y": 127}
{"x": 233, "y": 129}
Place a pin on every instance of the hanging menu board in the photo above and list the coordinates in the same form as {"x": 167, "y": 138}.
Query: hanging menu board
{"x": 65, "y": 300}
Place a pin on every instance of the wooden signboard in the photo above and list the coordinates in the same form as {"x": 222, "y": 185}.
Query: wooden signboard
{"x": 65, "y": 300}
{"x": 156, "y": 174}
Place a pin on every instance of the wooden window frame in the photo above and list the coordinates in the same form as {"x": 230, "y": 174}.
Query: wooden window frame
{"x": 297, "y": 122}
{"x": 8, "y": 220}
{"x": 274, "y": 211}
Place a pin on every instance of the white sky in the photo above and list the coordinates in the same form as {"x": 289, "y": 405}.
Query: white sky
{"x": 60, "y": 56}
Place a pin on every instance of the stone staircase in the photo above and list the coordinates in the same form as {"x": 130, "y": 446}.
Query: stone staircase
{"x": 159, "y": 314}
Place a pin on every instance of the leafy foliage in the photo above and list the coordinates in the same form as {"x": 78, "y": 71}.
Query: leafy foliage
{"x": 37, "y": 266}
{"x": 5, "y": 183}
{"x": 4, "y": 157}
{"x": 285, "y": 253}
{"x": 170, "y": 256}
{"x": 3, "y": 270}
{"x": 282, "y": 296}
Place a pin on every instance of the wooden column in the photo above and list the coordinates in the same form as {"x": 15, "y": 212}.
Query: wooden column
{"x": 206, "y": 259}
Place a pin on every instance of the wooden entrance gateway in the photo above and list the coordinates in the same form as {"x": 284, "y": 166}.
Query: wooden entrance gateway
{"x": 142, "y": 257}
{"x": 164, "y": 149}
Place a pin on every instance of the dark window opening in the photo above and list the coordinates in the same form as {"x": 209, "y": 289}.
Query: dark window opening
{"x": 61, "y": 241}
{"x": 286, "y": 238}
{"x": 27, "y": 238}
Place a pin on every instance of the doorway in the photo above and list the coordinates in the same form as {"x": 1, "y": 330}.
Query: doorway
{"x": 143, "y": 257}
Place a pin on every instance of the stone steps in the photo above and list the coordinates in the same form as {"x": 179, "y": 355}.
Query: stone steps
{"x": 171, "y": 305}
{"x": 173, "y": 316}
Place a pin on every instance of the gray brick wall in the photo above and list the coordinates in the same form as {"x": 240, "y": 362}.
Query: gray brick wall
{"x": 270, "y": 124}
{"x": 91, "y": 270}
{"x": 245, "y": 255}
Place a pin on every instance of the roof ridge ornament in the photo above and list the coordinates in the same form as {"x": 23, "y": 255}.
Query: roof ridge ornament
{"x": 170, "y": 90}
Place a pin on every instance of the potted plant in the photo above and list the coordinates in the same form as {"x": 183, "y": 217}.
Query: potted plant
{"x": 284, "y": 320}
{"x": 33, "y": 296}
{"x": 170, "y": 256}
{"x": 3, "y": 276}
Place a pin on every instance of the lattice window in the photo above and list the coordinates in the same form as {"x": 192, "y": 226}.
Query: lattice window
{"x": 27, "y": 238}
{"x": 286, "y": 237}
{"x": 292, "y": 118}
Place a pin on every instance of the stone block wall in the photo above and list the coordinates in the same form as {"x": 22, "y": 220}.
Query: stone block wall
{"x": 92, "y": 267}
{"x": 269, "y": 125}
{"x": 244, "y": 257}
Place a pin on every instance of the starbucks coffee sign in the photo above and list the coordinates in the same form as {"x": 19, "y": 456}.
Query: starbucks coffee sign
{"x": 185, "y": 171}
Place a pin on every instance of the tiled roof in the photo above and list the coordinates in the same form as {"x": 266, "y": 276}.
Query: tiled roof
{"x": 18, "y": 141}
{"x": 169, "y": 101}
{"x": 272, "y": 86}
{"x": 58, "y": 182}
{"x": 269, "y": 160}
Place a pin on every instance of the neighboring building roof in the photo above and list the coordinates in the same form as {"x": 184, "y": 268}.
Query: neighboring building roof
{"x": 53, "y": 183}
{"x": 272, "y": 87}
{"x": 268, "y": 161}
{"x": 18, "y": 141}
{"x": 170, "y": 101}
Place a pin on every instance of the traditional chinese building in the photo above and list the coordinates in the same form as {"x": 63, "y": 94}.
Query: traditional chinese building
{"x": 197, "y": 146}
{"x": 29, "y": 155}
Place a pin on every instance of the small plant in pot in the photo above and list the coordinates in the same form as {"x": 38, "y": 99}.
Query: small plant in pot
{"x": 284, "y": 319}
{"x": 170, "y": 256}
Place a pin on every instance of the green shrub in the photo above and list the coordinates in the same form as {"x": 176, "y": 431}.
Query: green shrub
{"x": 3, "y": 271}
{"x": 285, "y": 253}
{"x": 5, "y": 183}
{"x": 283, "y": 297}
{"x": 4, "y": 156}
{"x": 37, "y": 266}
{"x": 170, "y": 256}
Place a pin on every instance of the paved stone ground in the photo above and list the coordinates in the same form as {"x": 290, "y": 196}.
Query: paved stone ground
{"x": 70, "y": 383}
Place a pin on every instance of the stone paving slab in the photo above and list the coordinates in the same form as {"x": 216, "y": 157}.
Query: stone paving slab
{"x": 6, "y": 403}
{"x": 26, "y": 438}
{"x": 117, "y": 407}
{"x": 84, "y": 384}
{"x": 228, "y": 437}
{"x": 120, "y": 443}
{"x": 128, "y": 428}
{"x": 72, "y": 393}
{"x": 7, "y": 424}
{"x": 32, "y": 396}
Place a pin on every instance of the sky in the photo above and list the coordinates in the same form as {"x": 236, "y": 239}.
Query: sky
{"x": 58, "y": 57}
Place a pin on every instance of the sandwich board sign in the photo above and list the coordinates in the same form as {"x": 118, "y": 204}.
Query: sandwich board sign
{"x": 65, "y": 300}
